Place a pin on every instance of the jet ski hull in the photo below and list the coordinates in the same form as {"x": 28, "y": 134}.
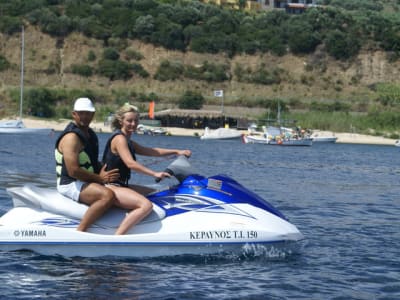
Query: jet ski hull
{"x": 199, "y": 216}
{"x": 158, "y": 238}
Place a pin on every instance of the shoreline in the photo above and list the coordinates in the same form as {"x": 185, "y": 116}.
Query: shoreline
{"x": 342, "y": 137}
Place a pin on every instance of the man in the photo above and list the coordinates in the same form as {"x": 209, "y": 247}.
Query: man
{"x": 79, "y": 174}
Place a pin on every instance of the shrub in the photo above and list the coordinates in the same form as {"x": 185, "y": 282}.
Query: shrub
{"x": 138, "y": 69}
{"x": 83, "y": 70}
{"x": 110, "y": 54}
{"x": 342, "y": 45}
{"x": 169, "y": 71}
{"x": 4, "y": 63}
{"x": 191, "y": 100}
{"x": 388, "y": 94}
{"x": 10, "y": 25}
{"x": 261, "y": 75}
{"x": 40, "y": 102}
{"x": 208, "y": 71}
{"x": 91, "y": 56}
{"x": 133, "y": 54}
{"x": 115, "y": 69}
{"x": 336, "y": 106}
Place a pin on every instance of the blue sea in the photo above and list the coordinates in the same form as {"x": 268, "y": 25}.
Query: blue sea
{"x": 344, "y": 198}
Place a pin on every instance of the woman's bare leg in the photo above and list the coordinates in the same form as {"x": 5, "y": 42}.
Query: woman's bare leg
{"x": 139, "y": 205}
{"x": 99, "y": 199}
{"x": 144, "y": 190}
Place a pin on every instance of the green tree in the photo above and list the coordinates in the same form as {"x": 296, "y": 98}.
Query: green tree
{"x": 91, "y": 56}
{"x": 111, "y": 54}
{"x": 191, "y": 100}
{"x": 4, "y": 63}
{"x": 10, "y": 25}
{"x": 342, "y": 45}
{"x": 40, "y": 102}
{"x": 50, "y": 22}
{"x": 169, "y": 71}
{"x": 115, "y": 69}
{"x": 169, "y": 35}
{"x": 144, "y": 27}
{"x": 301, "y": 38}
{"x": 138, "y": 69}
{"x": 83, "y": 70}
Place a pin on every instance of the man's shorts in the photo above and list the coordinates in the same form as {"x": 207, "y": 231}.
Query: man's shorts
{"x": 71, "y": 190}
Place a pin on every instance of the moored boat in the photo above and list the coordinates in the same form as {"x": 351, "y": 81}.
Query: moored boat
{"x": 18, "y": 127}
{"x": 277, "y": 136}
{"x": 220, "y": 134}
{"x": 319, "y": 137}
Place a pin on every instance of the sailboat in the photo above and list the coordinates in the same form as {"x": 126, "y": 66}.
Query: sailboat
{"x": 17, "y": 126}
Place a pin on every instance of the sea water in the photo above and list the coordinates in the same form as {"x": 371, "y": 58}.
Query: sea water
{"x": 344, "y": 199}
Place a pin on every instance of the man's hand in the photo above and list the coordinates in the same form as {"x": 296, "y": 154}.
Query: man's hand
{"x": 109, "y": 176}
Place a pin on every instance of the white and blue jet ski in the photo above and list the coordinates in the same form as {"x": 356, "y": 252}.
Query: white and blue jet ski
{"x": 197, "y": 216}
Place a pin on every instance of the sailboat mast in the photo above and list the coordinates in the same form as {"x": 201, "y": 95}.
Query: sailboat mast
{"x": 22, "y": 74}
{"x": 278, "y": 117}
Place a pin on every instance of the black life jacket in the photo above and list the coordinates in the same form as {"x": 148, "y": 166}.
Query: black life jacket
{"x": 88, "y": 157}
{"x": 114, "y": 161}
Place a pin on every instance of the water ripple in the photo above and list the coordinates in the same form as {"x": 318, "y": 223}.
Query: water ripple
{"x": 344, "y": 199}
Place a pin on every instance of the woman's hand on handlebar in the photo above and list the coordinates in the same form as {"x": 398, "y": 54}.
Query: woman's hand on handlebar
{"x": 186, "y": 153}
{"x": 162, "y": 175}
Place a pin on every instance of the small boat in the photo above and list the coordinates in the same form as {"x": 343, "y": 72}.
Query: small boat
{"x": 141, "y": 129}
{"x": 18, "y": 127}
{"x": 397, "y": 143}
{"x": 159, "y": 131}
{"x": 198, "y": 216}
{"x": 277, "y": 136}
{"x": 255, "y": 139}
{"x": 324, "y": 139}
{"x": 318, "y": 138}
{"x": 220, "y": 134}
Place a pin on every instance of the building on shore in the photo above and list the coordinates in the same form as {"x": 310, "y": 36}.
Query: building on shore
{"x": 265, "y": 4}
{"x": 195, "y": 119}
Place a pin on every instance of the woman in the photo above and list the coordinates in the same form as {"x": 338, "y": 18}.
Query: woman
{"x": 120, "y": 153}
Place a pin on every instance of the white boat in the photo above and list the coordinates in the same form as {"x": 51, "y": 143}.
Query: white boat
{"x": 323, "y": 138}
{"x": 277, "y": 136}
{"x": 256, "y": 139}
{"x": 397, "y": 143}
{"x": 199, "y": 216}
{"x": 141, "y": 129}
{"x": 220, "y": 134}
{"x": 17, "y": 126}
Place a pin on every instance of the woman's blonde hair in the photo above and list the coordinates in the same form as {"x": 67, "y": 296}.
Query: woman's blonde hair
{"x": 119, "y": 115}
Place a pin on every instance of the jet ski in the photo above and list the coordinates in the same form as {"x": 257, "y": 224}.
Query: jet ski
{"x": 196, "y": 215}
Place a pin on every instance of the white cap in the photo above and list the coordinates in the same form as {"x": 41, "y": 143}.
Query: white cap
{"x": 84, "y": 104}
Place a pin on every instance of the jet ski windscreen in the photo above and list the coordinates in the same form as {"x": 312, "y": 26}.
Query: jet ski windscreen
{"x": 180, "y": 168}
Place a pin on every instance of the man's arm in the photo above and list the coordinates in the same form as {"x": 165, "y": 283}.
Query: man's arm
{"x": 70, "y": 146}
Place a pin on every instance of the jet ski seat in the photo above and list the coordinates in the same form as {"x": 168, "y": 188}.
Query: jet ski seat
{"x": 52, "y": 201}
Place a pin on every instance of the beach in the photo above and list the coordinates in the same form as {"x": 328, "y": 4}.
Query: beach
{"x": 342, "y": 137}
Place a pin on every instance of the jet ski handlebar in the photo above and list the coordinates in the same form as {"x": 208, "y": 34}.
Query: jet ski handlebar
{"x": 180, "y": 168}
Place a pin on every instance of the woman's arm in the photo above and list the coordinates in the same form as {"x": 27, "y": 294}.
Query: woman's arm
{"x": 120, "y": 145}
{"x": 147, "y": 151}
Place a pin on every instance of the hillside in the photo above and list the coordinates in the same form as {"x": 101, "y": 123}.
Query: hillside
{"x": 318, "y": 77}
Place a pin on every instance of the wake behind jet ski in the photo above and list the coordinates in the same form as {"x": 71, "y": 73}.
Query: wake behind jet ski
{"x": 198, "y": 216}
